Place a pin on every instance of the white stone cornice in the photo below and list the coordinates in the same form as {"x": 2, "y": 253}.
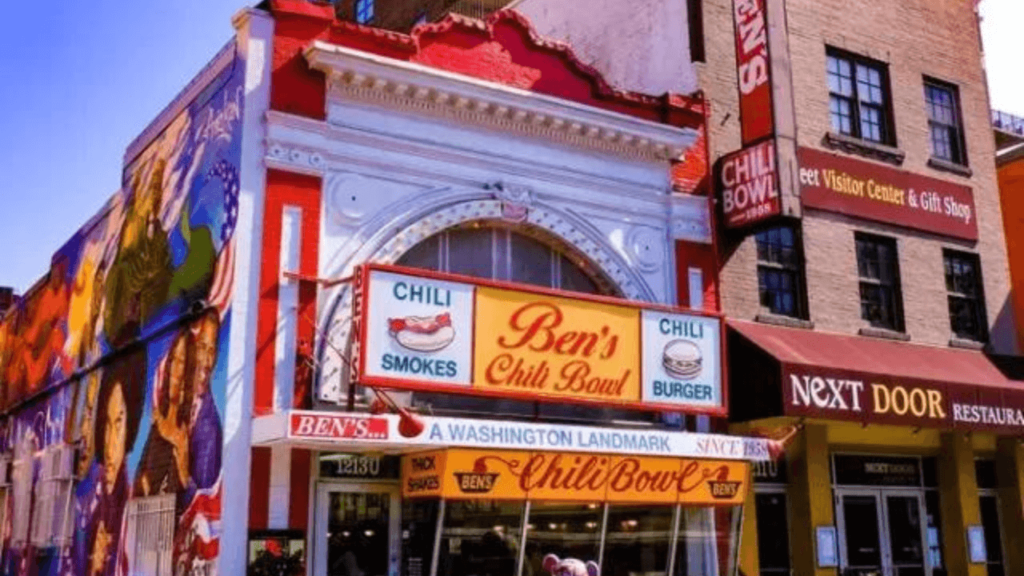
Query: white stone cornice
{"x": 361, "y": 76}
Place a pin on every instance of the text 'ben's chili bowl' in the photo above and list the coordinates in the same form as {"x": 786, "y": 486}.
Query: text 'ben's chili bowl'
{"x": 495, "y": 474}
{"x": 556, "y": 346}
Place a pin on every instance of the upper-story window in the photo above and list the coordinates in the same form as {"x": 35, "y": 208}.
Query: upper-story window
{"x": 945, "y": 124}
{"x": 881, "y": 302}
{"x": 966, "y": 297}
{"x": 860, "y": 102}
{"x": 364, "y": 11}
{"x": 780, "y": 272}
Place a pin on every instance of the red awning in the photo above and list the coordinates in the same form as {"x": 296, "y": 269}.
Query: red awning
{"x": 887, "y": 381}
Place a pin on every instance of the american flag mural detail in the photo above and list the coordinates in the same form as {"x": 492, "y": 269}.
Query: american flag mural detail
{"x": 224, "y": 271}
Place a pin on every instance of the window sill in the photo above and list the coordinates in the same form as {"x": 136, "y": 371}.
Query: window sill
{"x": 966, "y": 344}
{"x": 884, "y": 333}
{"x": 872, "y": 150}
{"x": 951, "y": 167}
{"x": 787, "y": 321}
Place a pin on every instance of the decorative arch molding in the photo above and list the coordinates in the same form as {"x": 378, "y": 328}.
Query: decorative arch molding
{"x": 444, "y": 209}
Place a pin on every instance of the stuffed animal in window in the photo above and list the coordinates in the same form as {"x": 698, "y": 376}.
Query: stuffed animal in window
{"x": 570, "y": 567}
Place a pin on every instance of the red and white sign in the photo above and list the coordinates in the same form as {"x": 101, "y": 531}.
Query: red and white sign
{"x": 749, "y": 184}
{"x": 337, "y": 426}
{"x": 753, "y": 69}
{"x": 362, "y": 432}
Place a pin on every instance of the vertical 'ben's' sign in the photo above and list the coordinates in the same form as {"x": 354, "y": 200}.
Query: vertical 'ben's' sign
{"x": 753, "y": 69}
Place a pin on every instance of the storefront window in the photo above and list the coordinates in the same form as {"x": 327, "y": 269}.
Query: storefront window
{"x": 637, "y": 540}
{"x": 567, "y": 530}
{"x": 933, "y": 531}
{"x": 481, "y": 537}
{"x": 708, "y": 540}
{"x": 772, "y": 533}
{"x": 989, "y": 504}
{"x": 485, "y": 538}
{"x": 419, "y": 528}
{"x": 357, "y": 541}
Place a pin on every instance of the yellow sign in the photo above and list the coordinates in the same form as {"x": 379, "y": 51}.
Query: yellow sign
{"x": 421, "y": 474}
{"x": 551, "y": 346}
{"x": 575, "y": 477}
{"x": 439, "y": 333}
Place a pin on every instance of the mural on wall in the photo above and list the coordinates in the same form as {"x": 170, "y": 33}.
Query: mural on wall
{"x": 114, "y": 366}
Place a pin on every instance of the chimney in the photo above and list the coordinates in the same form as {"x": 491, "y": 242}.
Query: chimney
{"x": 6, "y": 298}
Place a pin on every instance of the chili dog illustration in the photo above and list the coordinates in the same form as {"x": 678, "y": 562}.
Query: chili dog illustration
{"x": 682, "y": 359}
{"x": 423, "y": 333}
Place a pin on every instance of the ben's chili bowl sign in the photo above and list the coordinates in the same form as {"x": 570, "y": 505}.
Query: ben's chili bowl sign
{"x": 418, "y": 331}
{"x": 478, "y": 474}
{"x": 872, "y": 399}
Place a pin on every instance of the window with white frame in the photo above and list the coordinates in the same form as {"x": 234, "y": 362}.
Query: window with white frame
{"x": 21, "y": 487}
{"x": 150, "y": 535}
{"x": 51, "y": 514}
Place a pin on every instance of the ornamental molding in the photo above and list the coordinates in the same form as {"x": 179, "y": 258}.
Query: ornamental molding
{"x": 449, "y": 209}
{"x": 353, "y": 75}
{"x": 300, "y": 144}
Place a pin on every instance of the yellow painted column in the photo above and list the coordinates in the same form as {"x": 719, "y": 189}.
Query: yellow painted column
{"x": 810, "y": 497}
{"x": 958, "y": 500}
{"x": 749, "y": 560}
{"x": 1010, "y": 469}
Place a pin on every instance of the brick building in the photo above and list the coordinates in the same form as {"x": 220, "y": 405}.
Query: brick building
{"x": 851, "y": 142}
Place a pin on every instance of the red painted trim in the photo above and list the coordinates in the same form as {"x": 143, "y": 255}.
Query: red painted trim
{"x": 285, "y": 189}
{"x": 259, "y": 489}
{"x": 504, "y": 49}
{"x": 410, "y": 384}
{"x": 298, "y": 501}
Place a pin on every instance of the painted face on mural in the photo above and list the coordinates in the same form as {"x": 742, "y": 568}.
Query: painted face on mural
{"x": 206, "y": 351}
{"x": 115, "y": 436}
{"x": 176, "y": 371}
{"x": 87, "y": 450}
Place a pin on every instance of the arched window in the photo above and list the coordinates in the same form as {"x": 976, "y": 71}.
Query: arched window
{"x": 505, "y": 254}
{"x": 497, "y": 252}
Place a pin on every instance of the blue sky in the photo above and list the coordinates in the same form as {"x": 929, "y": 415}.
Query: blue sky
{"x": 79, "y": 81}
{"x": 82, "y": 79}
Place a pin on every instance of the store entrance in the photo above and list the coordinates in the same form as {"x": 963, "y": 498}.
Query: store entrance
{"x": 882, "y": 532}
{"x": 360, "y": 528}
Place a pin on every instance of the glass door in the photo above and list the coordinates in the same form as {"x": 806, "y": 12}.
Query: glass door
{"x": 357, "y": 529}
{"x": 860, "y": 542}
{"x": 882, "y": 533}
{"x": 905, "y": 534}
{"x": 989, "y": 504}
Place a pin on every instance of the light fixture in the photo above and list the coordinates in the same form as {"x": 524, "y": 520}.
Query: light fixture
{"x": 369, "y": 533}
{"x": 552, "y": 526}
{"x": 346, "y": 533}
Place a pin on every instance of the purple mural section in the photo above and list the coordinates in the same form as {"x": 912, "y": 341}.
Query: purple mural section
{"x": 113, "y": 367}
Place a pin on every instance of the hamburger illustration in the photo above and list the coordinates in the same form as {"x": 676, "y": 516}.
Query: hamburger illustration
{"x": 682, "y": 359}
{"x": 422, "y": 333}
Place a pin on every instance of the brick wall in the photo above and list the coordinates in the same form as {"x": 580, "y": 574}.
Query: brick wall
{"x": 937, "y": 38}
